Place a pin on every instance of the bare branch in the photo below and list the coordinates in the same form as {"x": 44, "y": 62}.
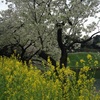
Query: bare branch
{"x": 82, "y": 41}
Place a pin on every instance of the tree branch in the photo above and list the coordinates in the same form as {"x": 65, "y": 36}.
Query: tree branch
{"x": 45, "y": 56}
{"x": 82, "y": 41}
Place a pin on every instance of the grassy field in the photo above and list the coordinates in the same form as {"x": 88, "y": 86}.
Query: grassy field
{"x": 80, "y": 59}
{"x": 75, "y": 58}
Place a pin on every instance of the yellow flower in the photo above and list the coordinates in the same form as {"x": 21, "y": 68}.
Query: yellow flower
{"x": 89, "y": 57}
{"x": 49, "y": 73}
{"x": 81, "y": 97}
{"x": 82, "y": 61}
{"x": 85, "y": 69}
{"x": 77, "y": 64}
{"x": 49, "y": 61}
{"x": 92, "y": 80}
{"x": 10, "y": 79}
{"x": 96, "y": 63}
{"x": 79, "y": 82}
{"x": 82, "y": 76}
{"x": 57, "y": 81}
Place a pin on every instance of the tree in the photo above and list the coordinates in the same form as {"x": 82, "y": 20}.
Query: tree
{"x": 52, "y": 25}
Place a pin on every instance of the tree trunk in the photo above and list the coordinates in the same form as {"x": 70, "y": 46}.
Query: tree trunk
{"x": 63, "y": 58}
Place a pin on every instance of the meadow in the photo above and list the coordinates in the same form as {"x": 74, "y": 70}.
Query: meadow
{"x": 78, "y": 57}
{"x": 19, "y": 82}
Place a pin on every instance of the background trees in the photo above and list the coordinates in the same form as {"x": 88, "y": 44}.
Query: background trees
{"x": 30, "y": 26}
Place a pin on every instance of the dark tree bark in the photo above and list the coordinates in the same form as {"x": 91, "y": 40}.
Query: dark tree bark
{"x": 63, "y": 58}
{"x": 82, "y": 41}
{"x": 45, "y": 56}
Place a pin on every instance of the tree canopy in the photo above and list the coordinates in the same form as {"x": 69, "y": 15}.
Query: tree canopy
{"x": 31, "y": 25}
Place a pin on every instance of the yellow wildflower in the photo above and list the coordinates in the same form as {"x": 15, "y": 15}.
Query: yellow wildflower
{"x": 82, "y": 61}
{"x": 85, "y": 69}
{"x": 89, "y": 57}
{"x": 81, "y": 97}
{"x": 96, "y": 63}
{"x": 49, "y": 61}
{"x": 49, "y": 73}
{"x": 79, "y": 82}
{"x": 77, "y": 64}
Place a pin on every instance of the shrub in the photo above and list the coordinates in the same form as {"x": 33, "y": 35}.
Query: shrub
{"x": 19, "y": 82}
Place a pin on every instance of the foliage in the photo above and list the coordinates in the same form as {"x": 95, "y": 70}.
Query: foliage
{"x": 18, "y": 82}
{"x": 39, "y": 19}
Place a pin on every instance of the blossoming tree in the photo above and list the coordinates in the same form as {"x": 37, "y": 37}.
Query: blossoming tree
{"x": 50, "y": 26}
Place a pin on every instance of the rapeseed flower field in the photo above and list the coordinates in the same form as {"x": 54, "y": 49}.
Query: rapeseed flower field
{"x": 19, "y": 82}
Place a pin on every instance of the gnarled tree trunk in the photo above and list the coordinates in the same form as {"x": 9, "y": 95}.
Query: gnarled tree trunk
{"x": 63, "y": 58}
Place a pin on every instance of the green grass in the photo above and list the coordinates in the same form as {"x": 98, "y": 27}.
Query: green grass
{"x": 75, "y": 57}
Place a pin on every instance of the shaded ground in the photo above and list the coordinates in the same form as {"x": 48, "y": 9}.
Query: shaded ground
{"x": 97, "y": 84}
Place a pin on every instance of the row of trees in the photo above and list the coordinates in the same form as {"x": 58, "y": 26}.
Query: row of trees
{"x": 40, "y": 28}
